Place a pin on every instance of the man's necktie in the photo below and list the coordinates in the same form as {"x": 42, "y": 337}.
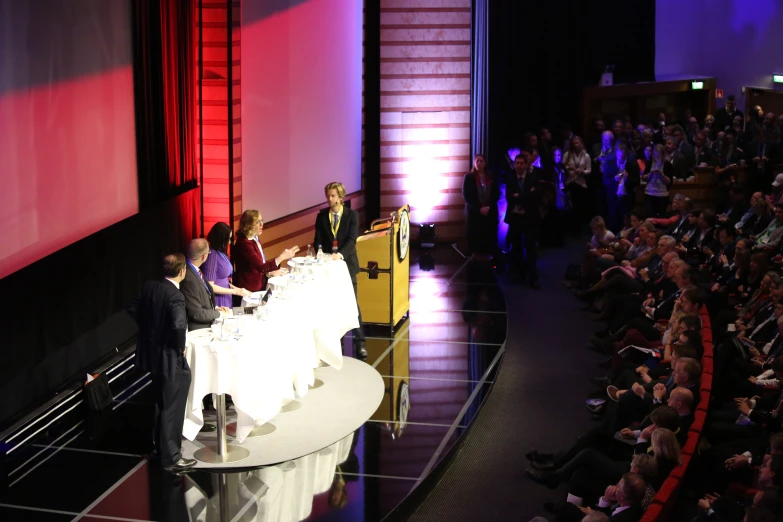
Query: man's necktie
{"x": 335, "y": 221}
{"x": 201, "y": 275}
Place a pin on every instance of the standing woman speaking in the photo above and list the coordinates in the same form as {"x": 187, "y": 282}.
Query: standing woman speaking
{"x": 481, "y": 194}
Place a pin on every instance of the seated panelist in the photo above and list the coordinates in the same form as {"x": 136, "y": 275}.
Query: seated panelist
{"x": 252, "y": 266}
{"x": 199, "y": 296}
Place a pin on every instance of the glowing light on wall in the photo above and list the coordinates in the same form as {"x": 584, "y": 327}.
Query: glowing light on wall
{"x": 424, "y": 153}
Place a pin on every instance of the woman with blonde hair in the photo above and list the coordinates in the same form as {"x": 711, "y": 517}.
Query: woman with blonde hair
{"x": 252, "y": 266}
{"x": 578, "y": 166}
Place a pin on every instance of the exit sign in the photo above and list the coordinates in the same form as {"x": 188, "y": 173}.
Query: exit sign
{"x": 719, "y": 93}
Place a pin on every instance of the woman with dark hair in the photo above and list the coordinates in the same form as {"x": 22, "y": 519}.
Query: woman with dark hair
{"x": 217, "y": 269}
{"x": 481, "y": 194}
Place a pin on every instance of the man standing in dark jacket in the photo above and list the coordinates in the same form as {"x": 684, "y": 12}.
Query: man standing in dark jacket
{"x": 523, "y": 216}
{"x": 160, "y": 350}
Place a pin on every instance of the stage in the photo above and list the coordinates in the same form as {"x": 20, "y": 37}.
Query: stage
{"x": 418, "y": 391}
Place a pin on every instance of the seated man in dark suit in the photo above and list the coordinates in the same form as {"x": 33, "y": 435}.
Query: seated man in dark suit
{"x": 199, "y": 301}
{"x": 621, "y": 503}
{"x": 160, "y": 349}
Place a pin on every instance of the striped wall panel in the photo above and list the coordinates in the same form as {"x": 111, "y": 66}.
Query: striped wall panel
{"x": 220, "y": 128}
{"x": 425, "y": 110}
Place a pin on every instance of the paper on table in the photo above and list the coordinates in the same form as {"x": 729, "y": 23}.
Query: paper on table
{"x": 625, "y": 350}
{"x": 630, "y": 442}
{"x": 731, "y": 328}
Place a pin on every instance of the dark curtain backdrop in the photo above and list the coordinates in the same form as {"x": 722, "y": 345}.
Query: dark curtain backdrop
{"x": 543, "y": 53}
{"x": 164, "y": 86}
{"x": 66, "y": 312}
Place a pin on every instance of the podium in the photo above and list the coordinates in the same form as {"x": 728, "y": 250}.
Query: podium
{"x": 384, "y": 264}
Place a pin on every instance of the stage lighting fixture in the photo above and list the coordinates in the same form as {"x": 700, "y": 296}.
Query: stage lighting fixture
{"x": 777, "y": 78}
{"x": 427, "y": 235}
{"x": 426, "y": 262}
{"x": 696, "y": 86}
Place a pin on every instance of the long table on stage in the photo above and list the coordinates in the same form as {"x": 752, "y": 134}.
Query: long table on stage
{"x": 271, "y": 361}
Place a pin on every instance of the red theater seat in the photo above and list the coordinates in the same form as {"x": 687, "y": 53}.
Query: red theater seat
{"x": 706, "y": 382}
{"x": 707, "y": 365}
{"x": 699, "y": 417}
{"x": 691, "y": 444}
{"x": 704, "y": 400}
{"x": 652, "y": 513}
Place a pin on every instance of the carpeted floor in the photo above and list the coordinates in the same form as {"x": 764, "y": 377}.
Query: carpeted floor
{"x": 538, "y": 401}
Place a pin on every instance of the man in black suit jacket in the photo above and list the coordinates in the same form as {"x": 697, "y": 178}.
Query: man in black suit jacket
{"x": 336, "y": 231}
{"x": 724, "y": 117}
{"x": 523, "y": 216}
{"x": 621, "y": 503}
{"x": 199, "y": 299}
{"x": 160, "y": 350}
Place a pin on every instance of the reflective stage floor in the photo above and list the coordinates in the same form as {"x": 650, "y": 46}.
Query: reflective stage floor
{"x": 435, "y": 369}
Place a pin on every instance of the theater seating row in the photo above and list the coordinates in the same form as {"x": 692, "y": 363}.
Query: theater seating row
{"x": 662, "y": 504}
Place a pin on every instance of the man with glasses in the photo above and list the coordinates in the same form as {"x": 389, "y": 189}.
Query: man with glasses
{"x": 199, "y": 301}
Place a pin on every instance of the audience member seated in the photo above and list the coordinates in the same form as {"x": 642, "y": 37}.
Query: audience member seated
{"x": 199, "y": 296}
{"x": 253, "y": 268}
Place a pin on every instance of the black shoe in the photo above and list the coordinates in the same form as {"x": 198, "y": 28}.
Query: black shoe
{"x": 208, "y": 428}
{"x": 547, "y": 478}
{"x": 360, "y": 351}
{"x": 602, "y": 334}
{"x": 181, "y": 465}
{"x": 541, "y": 458}
{"x": 544, "y": 466}
{"x": 606, "y": 364}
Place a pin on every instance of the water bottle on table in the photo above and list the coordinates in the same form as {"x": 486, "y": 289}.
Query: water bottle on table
{"x": 320, "y": 256}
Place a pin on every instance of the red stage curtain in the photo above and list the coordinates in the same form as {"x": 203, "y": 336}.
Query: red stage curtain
{"x": 164, "y": 83}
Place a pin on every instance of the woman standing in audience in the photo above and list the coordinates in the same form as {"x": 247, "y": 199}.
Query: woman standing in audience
{"x": 217, "y": 268}
{"x": 644, "y": 160}
{"x": 658, "y": 176}
{"x": 253, "y": 268}
{"x": 559, "y": 176}
{"x": 578, "y": 166}
{"x": 481, "y": 194}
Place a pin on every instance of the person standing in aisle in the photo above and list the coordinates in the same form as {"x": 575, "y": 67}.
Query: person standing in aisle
{"x": 336, "y": 231}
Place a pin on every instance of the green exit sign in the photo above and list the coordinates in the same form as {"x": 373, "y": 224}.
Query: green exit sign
{"x": 697, "y": 85}
{"x": 777, "y": 78}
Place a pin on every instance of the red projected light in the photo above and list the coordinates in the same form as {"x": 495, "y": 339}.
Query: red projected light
{"x": 69, "y": 164}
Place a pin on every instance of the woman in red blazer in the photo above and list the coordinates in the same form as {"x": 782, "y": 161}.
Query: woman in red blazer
{"x": 252, "y": 266}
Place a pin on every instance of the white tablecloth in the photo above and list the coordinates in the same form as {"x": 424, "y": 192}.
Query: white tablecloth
{"x": 281, "y": 493}
{"x": 273, "y": 360}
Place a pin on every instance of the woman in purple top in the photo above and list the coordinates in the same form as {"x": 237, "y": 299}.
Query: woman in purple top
{"x": 217, "y": 269}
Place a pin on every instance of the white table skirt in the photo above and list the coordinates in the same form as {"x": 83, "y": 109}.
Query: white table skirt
{"x": 281, "y": 493}
{"x": 272, "y": 362}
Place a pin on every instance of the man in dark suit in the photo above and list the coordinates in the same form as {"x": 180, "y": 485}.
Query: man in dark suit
{"x": 336, "y": 231}
{"x": 761, "y": 153}
{"x": 702, "y": 153}
{"x": 523, "y": 216}
{"x": 621, "y": 176}
{"x": 724, "y": 117}
{"x": 160, "y": 350}
{"x": 199, "y": 300}
{"x": 621, "y": 503}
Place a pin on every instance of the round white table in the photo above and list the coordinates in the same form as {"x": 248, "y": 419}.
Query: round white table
{"x": 271, "y": 361}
